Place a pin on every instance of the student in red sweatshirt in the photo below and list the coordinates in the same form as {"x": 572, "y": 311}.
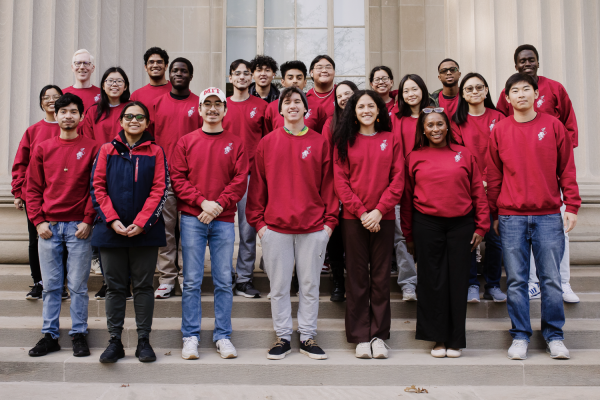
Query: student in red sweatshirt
{"x": 102, "y": 119}
{"x": 34, "y": 135}
{"x": 294, "y": 75}
{"x": 210, "y": 174}
{"x": 382, "y": 81}
{"x": 83, "y": 67}
{"x": 60, "y": 207}
{"x": 245, "y": 118}
{"x": 322, "y": 72}
{"x": 369, "y": 180}
{"x": 156, "y": 61}
{"x": 473, "y": 122}
{"x": 529, "y": 162}
{"x": 447, "y": 96}
{"x": 173, "y": 115}
{"x": 292, "y": 205}
{"x": 444, "y": 217}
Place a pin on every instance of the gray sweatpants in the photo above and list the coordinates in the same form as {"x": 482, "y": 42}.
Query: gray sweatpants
{"x": 280, "y": 252}
{"x": 407, "y": 273}
{"x": 247, "y": 246}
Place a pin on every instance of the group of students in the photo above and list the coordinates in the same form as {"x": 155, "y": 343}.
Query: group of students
{"x": 359, "y": 176}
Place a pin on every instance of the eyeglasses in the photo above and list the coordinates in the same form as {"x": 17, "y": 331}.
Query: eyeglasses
{"x": 239, "y": 73}
{"x": 478, "y": 88}
{"x": 326, "y": 67}
{"x": 118, "y": 82}
{"x": 209, "y": 105}
{"x": 444, "y": 71}
{"x": 384, "y": 79}
{"x": 156, "y": 62}
{"x": 55, "y": 97}
{"x": 82, "y": 63}
{"x": 138, "y": 117}
{"x": 430, "y": 110}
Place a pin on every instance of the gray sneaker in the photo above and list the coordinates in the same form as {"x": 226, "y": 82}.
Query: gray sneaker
{"x": 494, "y": 294}
{"x": 473, "y": 294}
{"x": 557, "y": 349}
{"x": 518, "y": 350}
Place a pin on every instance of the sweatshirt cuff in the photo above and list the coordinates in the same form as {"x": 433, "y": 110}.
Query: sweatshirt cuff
{"x": 260, "y": 225}
{"x": 199, "y": 200}
{"x": 495, "y": 215}
{"x": 223, "y": 202}
{"x": 89, "y": 219}
{"x": 38, "y": 220}
{"x": 330, "y": 225}
{"x": 361, "y": 211}
{"x": 18, "y": 194}
{"x": 480, "y": 232}
{"x": 381, "y": 208}
{"x": 409, "y": 238}
{"x": 572, "y": 209}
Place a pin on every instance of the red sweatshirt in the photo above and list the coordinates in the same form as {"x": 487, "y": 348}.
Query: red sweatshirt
{"x": 171, "y": 119}
{"x": 89, "y": 95}
{"x": 314, "y": 119}
{"x": 33, "y": 136}
{"x": 406, "y": 128}
{"x": 148, "y": 94}
{"x": 106, "y": 128}
{"x": 246, "y": 119}
{"x": 449, "y": 106}
{"x": 554, "y": 100}
{"x": 324, "y": 100}
{"x": 443, "y": 183}
{"x": 475, "y": 135}
{"x": 205, "y": 167}
{"x": 291, "y": 190}
{"x": 54, "y": 194}
{"x": 372, "y": 177}
{"x": 527, "y": 166}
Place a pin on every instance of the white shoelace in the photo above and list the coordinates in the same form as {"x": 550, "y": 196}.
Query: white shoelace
{"x": 226, "y": 345}
{"x": 190, "y": 343}
{"x": 519, "y": 343}
{"x": 566, "y": 288}
{"x": 376, "y": 342}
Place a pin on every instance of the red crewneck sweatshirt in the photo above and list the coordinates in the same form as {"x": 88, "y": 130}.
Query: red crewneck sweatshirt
{"x": 291, "y": 189}
{"x": 475, "y": 135}
{"x": 106, "y": 128}
{"x": 33, "y": 136}
{"x": 405, "y": 128}
{"x": 553, "y": 100}
{"x": 449, "y": 105}
{"x": 89, "y": 95}
{"x": 148, "y": 94}
{"x": 54, "y": 194}
{"x": 246, "y": 119}
{"x": 528, "y": 164}
{"x": 372, "y": 177}
{"x": 314, "y": 119}
{"x": 209, "y": 167}
{"x": 443, "y": 183}
{"x": 324, "y": 100}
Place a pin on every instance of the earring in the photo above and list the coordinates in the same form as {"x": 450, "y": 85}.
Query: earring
{"x": 356, "y": 122}
{"x": 377, "y": 119}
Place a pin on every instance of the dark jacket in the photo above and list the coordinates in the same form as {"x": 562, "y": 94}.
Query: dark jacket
{"x": 273, "y": 94}
{"x": 130, "y": 185}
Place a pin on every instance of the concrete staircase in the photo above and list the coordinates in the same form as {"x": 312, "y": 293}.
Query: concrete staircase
{"x": 483, "y": 363}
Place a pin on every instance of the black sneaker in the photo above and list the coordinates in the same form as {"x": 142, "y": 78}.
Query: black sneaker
{"x": 144, "y": 351}
{"x": 113, "y": 352}
{"x": 128, "y": 296}
{"x": 36, "y": 292}
{"x": 80, "y": 346}
{"x": 102, "y": 292}
{"x": 339, "y": 292}
{"x": 44, "y": 346}
{"x": 280, "y": 349}
{"x": 65, "y": 294}
{"x": 312, "y": 349}
{"x": 247, "y": 289}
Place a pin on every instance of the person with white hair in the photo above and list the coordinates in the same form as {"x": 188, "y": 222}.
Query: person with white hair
{"x": 83, "y": 67}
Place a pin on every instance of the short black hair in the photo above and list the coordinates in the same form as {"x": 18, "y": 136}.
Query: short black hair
{"x": 66, "y": 99}
{"x": 263, "y": 61}
{"x": 234, "y": 65}
{"x": 156, "y": 50}
{"x": 299, "y": 65}
{"x": 380, "y": 68}
{"x": 185, "y": 61}
{"x": 319, "y": 58}
{"x": 516, "y": 78}
{"x": 288, "y": 92}
{"x": 446, "y": 60}
{"x": 45, "y": 89}
{"x": 526, "y": 47}
{"x": 135, "y": 103}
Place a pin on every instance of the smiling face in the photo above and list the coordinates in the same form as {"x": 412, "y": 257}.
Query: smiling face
{"x": 68, "y": 117}
{"x": 521, "y": 96}
{"x": 527, "y": 63}
{"x": 82, "y": 67}
{"x": 212, "y": 110}
{"x": 241, "y": 78}
{"x": 293, "y": 108}
{"x": 342, "y": 94}
{"x": 180, "y": 76}
{"x": 412, "y": 93}
{"x": 449, "y": 74}
{"x": 114, "y": 85}
{"x": 366, "y": 111}
{"x": 48, "y": 100}
{"x": 263, "y": 76}
{"x": 382, "y": 83}
{"x": 136, "y": 125}
{"x": 474, "y": 91}
{"x": 294, "y": 77}
{"x": 323, "y": 72}
{"x": 435, "y": 129}
{"x": 155, "y": 67}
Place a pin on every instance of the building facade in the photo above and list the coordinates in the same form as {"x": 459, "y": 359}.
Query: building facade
{"x": 38, "y": 38}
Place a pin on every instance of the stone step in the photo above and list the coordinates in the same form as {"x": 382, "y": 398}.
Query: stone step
{"x": 403, "y": 368}
{"x": 14, "y": 304}
{"x": 257, "y": 333}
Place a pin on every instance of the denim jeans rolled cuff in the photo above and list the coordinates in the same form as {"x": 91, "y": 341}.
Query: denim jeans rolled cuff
{"x": 194, "y": 237}
{"x": 51, "y": 253}
{"x": 543, "y": 235}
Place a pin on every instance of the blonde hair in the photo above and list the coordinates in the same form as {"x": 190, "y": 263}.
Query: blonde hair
{"x": 82, "y": 51}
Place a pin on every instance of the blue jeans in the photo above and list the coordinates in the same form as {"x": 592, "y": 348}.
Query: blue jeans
{"x": 78, "y": 271}
{"x": 542, "y": 234}
{"x": 194, "y": 237}
{"x": 492, "y": 271}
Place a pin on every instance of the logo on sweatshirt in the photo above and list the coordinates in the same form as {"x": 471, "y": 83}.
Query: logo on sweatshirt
{"x": 458, "y": 156}
{"x": 306, "y": 152}
{"x": 308, "y": 113}
{"x": 542, "y": 134}
{"x": 81, "y": 153}
{"x": 97, "y": 97}
{"x": 492, "y": 124}
{"x": 383, "y": 145}
{"x": 228, "y": 148}
{"x": 540, "y": 101}
{"x": 253, "y": 112}
{"x": 191, "y": 112}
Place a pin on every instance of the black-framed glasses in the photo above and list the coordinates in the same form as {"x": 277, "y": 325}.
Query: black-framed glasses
{"x": 138, "y": 117}
{"x": 118, "y": 82}
{"x": 444, "y": 71}
{"x": 478, "y": 88}
{"x": 430, "y": 110}
{"x": 384, "y": 79}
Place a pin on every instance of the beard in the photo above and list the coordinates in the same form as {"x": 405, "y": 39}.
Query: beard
{"x": 446, "y": 84}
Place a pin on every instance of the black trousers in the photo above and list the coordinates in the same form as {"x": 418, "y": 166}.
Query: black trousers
{"x": 119, "y": 264}
{"x": 444, "y": 258}
{"x": 34, "y": 258}
{"x": 335, "y": 252}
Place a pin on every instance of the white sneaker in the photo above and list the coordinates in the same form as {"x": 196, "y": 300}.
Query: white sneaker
{"x": 190, "y": 348}
{"x": 363, "y": 350}
{"x": 534, "y": 291}
{"x": 453, "y": 353}
{"x": 226, "y": 349}
{"x": 408, "y": 294}
{"x": 164, "y": 291}
{"x": 96, "y": 270}
{"x": 439, "y": 353}
{"x": 557, "y": 349}
{"x": 380, "y": 348}
{"x": 518, "y": 350}
{"x": 568, "y": 295}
